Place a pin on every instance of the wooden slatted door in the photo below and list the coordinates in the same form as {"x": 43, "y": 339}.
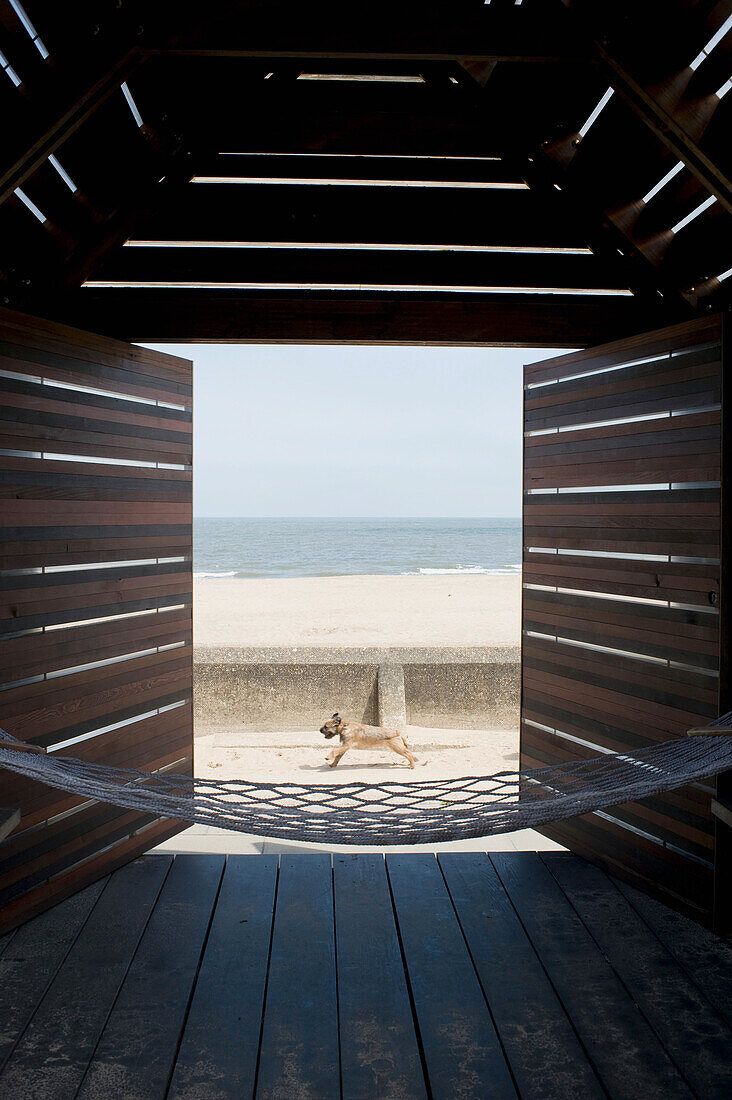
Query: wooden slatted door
{"x": 95, "y": 571}
{"x": 622, "y": 585}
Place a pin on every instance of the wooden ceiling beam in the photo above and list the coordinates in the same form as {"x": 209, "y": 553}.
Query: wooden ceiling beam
{"x": 503, "y": 321}
{"x": 260, "y": 212}
{"x": 326, "y": 267}
{"x": 277, "y": 30}
{"x": 490, "y": 172}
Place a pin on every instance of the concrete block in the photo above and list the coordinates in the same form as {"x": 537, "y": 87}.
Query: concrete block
{"x": 392, "y": 709}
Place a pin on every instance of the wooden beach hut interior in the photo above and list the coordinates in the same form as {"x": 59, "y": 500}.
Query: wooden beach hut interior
{"x": 537, "y": 173}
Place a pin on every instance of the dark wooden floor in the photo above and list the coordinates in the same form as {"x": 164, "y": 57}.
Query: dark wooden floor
{"x": 457, "y": 976}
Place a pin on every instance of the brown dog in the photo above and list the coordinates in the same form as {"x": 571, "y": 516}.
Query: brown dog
{"x": 355, "y": 735}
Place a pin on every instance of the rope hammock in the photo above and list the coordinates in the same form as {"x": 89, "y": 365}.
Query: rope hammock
{"x": 432, "y": 811}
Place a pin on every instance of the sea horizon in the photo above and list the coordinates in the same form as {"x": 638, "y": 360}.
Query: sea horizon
{"x": 327, "y": 546}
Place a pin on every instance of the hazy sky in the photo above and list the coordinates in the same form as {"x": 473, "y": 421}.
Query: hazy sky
{"x": 354, "y": 431}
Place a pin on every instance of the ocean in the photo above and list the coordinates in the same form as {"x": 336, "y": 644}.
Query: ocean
{"x": 229, "y": 547}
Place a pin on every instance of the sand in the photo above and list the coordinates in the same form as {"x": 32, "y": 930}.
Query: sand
{"x": 455, "y": 610}
{"x": 335, "y": 612}
{"x": 300, "y": 758}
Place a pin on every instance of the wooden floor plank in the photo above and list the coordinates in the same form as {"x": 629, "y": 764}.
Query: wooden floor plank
{"x": 705, "y": 958}
{"x": 299, "y": 1053}
{"x": 50, "y": 1060}
{"x": 137, "y": 1049}
{"x": 541, "y": 1046}
{"x": 218, "y": 1054}
{"x": 31, "y": 958}
{"x": 626, "y": 1054}
{"x": 379, "y": 1051}
{"x": 698, "y": 1040}
{"x": 462, "y": 1052}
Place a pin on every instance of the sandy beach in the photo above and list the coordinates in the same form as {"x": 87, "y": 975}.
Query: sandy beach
{"x": 454, "y": 610}
{"x": 337, "y": 613}
{"x": 300, "y": 758}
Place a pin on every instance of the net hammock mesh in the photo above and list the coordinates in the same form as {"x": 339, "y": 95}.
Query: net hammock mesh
{"x": 393, "y": 812}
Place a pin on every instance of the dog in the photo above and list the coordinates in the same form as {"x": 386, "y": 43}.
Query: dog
{"x": 355, "y": 735}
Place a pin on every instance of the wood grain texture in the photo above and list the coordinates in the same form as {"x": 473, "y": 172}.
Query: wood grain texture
{"x": 622, "y": 588}
{"x": 105, "y": 642}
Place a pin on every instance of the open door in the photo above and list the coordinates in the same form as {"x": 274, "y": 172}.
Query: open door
{"x": 622, "y": 586}
{"x": 95, "y": 568}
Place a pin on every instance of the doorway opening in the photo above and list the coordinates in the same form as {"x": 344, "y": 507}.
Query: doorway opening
{"x": 357, "y": 549}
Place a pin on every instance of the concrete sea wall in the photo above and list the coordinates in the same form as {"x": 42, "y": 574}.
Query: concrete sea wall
{"x": 296, "y": 688}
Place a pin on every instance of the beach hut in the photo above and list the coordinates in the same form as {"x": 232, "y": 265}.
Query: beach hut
{"x": 546, "y": 173}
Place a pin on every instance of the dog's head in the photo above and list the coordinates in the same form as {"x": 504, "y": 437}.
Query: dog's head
{"x": 332, "y": 726}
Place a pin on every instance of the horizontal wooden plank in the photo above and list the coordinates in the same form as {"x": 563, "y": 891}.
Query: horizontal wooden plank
{"x": 624, "y": 383}
{"x": 34, "y": 361}
{"x": 151, "y": 742}
{"x": 77, "y": 877}
{"x": 22, "y": 396}
{"x": 639, "y": 471}
{"x": 688, "y": 334}
{"x": 386, "y": 215}
{"x": 672, "y": 817}
{"x": 631, "y": 502}
{"x": 35, "y": 654}
{"x": 584, "y": 540}
{"x": 703, "y": 452}
{"x": 640, "y": 679}
{"x": 700, "y": 653}
{"x": 116, "y": 704}
{"x": 681, "y": 582}
{"x": 80, "y": 688}
{"x": 618, "y": 523}
{"x": 39, "y": 471}
{"x": 26, "y": 586}
{"x": 686, "y": 809}
{"x": 71, "y": 513}
{"x": 87, "y": 592}
{"x": 62, "y": 618}
{"x": 45, "y": 416}
{"x": 69, "y": 441}
{"x": 683, "y": 395}
{"x": 333, "y": 266}
{"x": 615, "y": 704}
{"x": 34, "y": 513}
{"x": 586, "y": 709}
{"x": 120, "y": 826}
{"x": 61, "y": 825}
{"x": 624, "y": 540}
{"x": 34, "y": 553}
{"x": 480, "y": 320}
{"x": 662, "y": 431}
{"x": 30, "y": 855}
{"x": 57, "y": 338}
{"x": 679, "y": 622}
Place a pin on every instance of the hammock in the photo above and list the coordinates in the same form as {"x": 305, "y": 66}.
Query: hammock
{"x": 432, "y": 811}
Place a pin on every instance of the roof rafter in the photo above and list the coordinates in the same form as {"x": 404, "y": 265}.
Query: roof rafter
{"x": 52, "y": 131}
{"x": 664, "y": 112}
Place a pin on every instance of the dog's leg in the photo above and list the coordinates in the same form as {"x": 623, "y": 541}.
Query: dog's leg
{"x": 336, "y": 755}
{"x": 397, "y": 745}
